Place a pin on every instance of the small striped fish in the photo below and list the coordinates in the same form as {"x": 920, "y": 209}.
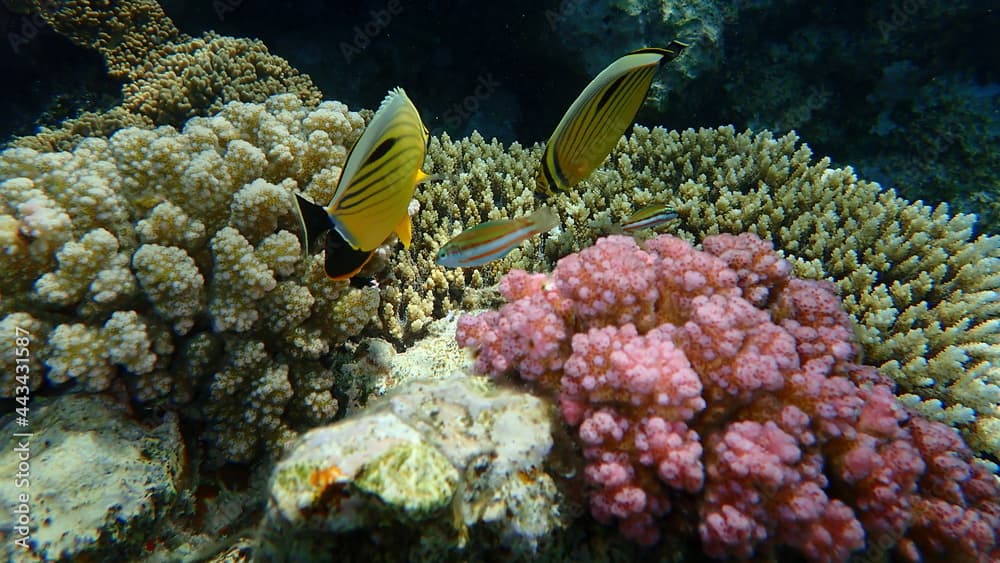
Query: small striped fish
{"x": 649, "y": 217}
{"x": 494, "y": 239}
{"x": 598, "y": 118}
{"x": 374, "y": 190}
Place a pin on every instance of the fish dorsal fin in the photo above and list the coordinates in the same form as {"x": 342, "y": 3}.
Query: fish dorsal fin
{"x": 392, "y": 97}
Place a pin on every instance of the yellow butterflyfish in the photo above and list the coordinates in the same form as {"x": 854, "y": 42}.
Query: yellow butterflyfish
{"x": 374, "y": 190}
{"x": 598, "y": 118}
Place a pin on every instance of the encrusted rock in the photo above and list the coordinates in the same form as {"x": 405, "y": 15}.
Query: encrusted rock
{"x": 98, "y": 482}
{"x": 433, "y": 469}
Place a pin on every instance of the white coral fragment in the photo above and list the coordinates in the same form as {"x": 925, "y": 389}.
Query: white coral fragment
{"x": 79, "y": 264}
{"x": 128, "y": 342}
{"x": 169, "y": 225}
{"x": 172, "y": 283}
{"x": 239, "y": 280}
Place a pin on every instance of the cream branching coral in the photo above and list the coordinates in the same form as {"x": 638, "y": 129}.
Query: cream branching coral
{"x": 922, "y": 290}
{"x": 169, "y": 261}
{"x": 187, "y": 230}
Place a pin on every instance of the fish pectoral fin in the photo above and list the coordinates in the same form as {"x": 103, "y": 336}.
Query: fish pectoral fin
{"x": 404, "y": 230}
{"x": 313, "y": 220}
{"x": 423, "y": 177}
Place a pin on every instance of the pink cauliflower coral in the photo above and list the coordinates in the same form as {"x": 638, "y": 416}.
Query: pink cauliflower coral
{"x": 714, "y": 385}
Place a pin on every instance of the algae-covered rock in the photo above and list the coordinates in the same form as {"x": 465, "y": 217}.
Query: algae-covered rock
{"x": 97, "y": 482}
{"x": 414, "y": 480}
{"x": 435, "y": 469}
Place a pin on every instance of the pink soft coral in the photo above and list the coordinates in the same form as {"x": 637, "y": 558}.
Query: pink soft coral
{"x": 717, "y": 376}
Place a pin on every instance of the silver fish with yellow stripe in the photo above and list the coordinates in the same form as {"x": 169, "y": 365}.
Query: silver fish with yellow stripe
{"x": 494, "y": 239}
{"x": 598, "y": 118}
{"x": 649, "y": 218}
{"x": 374, "y": 190}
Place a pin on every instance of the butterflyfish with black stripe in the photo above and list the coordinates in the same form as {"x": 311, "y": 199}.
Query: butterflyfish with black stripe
{"x": 492, "y": 240}
{"x": 374, "y": 191}
{"x": 598, "y": 118}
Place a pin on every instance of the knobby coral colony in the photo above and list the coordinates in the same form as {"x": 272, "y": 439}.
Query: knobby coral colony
{"x": 168, "y": 257}
{"x": 714, "y": 384}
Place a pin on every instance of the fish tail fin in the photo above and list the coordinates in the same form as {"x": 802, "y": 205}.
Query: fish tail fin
{"x": 544, "y": 218}
{"x": 669, "y": 53}
{"x": 313, "y": 219}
